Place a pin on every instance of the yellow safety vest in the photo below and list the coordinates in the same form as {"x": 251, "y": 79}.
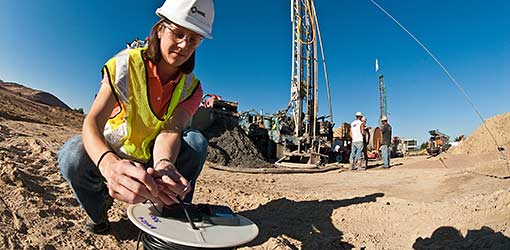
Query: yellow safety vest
{"x": 132, "y": 131}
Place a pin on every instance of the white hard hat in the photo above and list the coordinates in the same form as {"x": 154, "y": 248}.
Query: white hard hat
{"x": 359, "y": 114}
{"x": 195, "y": 15}
{"x": 384, "y": 118}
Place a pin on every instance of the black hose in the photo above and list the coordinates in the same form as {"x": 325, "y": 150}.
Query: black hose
{"x": 276, "y": 170}
{"x": 152, "y": 243}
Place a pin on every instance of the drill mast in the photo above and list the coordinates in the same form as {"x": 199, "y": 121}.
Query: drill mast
{"x": 304, "y": 94}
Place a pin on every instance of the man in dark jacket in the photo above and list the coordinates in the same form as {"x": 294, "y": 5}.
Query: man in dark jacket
{"x": 386, "y": 141}
{"x": 366, "y": 140}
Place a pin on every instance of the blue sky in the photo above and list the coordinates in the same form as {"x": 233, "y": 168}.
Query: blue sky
{"x": 60, "y": 47}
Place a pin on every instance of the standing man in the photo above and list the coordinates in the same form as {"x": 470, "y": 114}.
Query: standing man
{"x": 366, "y": 139}
{"x": 357, "y": 129}
{"x": 386, "y": 141}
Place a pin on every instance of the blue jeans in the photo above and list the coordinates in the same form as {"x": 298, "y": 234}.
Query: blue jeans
{"x": 89, "y": 185}
{"x": 385, "y": 153}
{"x": 356, "y": 150}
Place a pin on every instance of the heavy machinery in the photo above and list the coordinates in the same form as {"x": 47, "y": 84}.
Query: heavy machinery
{"x": 397, "y": 147}
{"x": 438, "y": 143}
{"x": 342, "y": 141}
{"x": 295, "y": 136}
{"x": 213, "y": 110}
{"x": 259, "y": 127}
{"x": 300, "y": 134}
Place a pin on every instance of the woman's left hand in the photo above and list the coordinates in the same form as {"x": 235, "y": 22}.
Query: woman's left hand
{"x": 170, "y": 182}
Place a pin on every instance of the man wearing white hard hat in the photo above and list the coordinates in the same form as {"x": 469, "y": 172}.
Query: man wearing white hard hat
{"x": 357, "y": 129}
{"x": 133, "y": 137}
{"x": 386, "y": 141}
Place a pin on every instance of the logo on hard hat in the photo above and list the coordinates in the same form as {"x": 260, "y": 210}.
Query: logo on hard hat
{"x": 194, "y": 10}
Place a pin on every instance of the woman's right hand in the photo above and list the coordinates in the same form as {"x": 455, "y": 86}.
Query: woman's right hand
{"x": 128, "y": 181}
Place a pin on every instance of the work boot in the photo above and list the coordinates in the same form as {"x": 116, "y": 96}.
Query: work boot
{"x": 354, "y": 164}
{"x": 361, "y": 167}
{"x": 103, "y": 226}
{"x": 100, "y": 228}
{"x": 353, "y": 167}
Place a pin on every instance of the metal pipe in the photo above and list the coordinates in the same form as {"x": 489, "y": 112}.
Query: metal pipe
{"x": 315, "y": 79}
{"x": 323, "y": 64}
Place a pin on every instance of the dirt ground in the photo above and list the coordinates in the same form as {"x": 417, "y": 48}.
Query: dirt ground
{"x": 454, "y": 201}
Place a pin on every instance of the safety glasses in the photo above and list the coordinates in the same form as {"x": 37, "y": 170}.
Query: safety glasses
{"x": 179, "y": 35}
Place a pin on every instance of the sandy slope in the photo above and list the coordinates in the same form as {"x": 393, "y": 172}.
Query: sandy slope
{"x": 495, "y": 133}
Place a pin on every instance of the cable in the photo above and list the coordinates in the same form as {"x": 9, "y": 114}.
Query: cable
{"x": 153, "y": 243}
{"x": 468, "y": 98}
{"x": 310, "y": 16}
{"x": 138, "y": 239}
{"x": 186, "y": 212}
{"x": 155, "y": 207}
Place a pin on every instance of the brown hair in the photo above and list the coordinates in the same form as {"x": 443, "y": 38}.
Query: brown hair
{"x": 154, "y": 52}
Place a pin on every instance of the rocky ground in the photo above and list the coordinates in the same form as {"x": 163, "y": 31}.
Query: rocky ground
{"x": 453, "y": 201}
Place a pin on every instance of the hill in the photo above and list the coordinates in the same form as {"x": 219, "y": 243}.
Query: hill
{"x": 19, "y": 103}
{"x": 34, "y": 95}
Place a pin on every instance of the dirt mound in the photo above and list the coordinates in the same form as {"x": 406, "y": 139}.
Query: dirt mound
{"x": 481, "y": 141}
{"x": 230, "y": 146}
{"x": 34, "y": 95}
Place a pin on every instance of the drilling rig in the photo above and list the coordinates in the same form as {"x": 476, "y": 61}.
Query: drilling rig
{"x": 295, "y": 136}
{"x": 383, "y": 104}
{"x": 307, "y": 137}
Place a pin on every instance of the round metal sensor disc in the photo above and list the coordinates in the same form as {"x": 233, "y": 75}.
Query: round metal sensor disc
{"x": 147, "y": 218}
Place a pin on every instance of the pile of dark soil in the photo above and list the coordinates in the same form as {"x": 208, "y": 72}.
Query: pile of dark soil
{"x": 230, "y": 146}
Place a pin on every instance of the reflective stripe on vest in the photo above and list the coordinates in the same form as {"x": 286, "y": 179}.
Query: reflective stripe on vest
{"x": 131, "y": 133}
